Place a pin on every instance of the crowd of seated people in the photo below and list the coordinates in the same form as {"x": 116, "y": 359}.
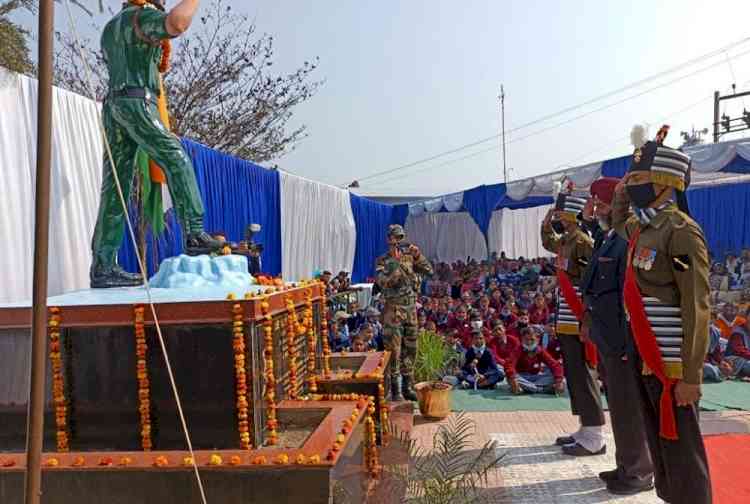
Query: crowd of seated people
{"x": 497, "y": 316}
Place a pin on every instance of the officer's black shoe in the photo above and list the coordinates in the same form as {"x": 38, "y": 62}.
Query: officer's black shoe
{"x": 609, "y": 475}
{"x": 407, "y": 390}
{"x": 202, "y": 243}
{"x": 562, "y": 441}
{"x": 103, "y": 277}
{"x": 630, "y": 487}
{"x": 577, "y": 450}
{"x": 396, "y": 390}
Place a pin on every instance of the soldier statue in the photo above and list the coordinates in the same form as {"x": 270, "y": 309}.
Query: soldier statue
{"x": 132, "y": 44}
{"x": 398, "y": 276}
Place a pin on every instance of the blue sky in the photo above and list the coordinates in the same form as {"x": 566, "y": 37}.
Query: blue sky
{"x": 409, "y": 79}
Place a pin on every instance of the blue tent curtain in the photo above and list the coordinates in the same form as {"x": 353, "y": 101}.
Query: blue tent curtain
{"x": 371, "y": 220}
{"x": 400, "y": 213}
{"x": 235, "y": 193}
{"x": 723, "y": 212}
{"x": 616, "y": 167}
{"x": 481, "y": 201}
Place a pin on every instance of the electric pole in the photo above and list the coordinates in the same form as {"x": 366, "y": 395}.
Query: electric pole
{"x": 729, "y": 124}
{"x": 502, "y": 123}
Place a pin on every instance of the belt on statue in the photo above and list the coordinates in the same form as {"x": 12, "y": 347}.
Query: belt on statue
{"x": 133, "y": 92}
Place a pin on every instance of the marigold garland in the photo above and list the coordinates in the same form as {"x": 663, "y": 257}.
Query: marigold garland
{"x": 58, "y": 381}
{"x": 166, "y": 44}
{"x": 240, "y": 373}
{"x": 324, "y": 335}
{"x": 291, "y": 346}
{"x": 270, "y": 378}
{"x": 144, "y": 385}
{"x": 372, "y": 459}
{"x": 383, "y": 409}
{"x": 312, "y": 381}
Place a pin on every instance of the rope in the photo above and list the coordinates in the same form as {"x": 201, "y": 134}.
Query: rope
{"x": 141, "y": 264}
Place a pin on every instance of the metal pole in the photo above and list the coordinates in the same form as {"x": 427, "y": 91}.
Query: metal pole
{"x": 716, "y": 116}
{"x": 502, "y": 120}
{"x": 35, "y": 417}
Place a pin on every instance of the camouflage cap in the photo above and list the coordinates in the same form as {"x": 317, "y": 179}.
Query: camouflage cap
{"x": 396, "y": 230}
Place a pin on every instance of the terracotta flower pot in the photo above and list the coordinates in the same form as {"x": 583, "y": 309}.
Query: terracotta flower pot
{"x": 434, "y": 399}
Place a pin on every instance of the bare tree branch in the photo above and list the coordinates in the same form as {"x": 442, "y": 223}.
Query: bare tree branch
{"x": 222, "y": 89}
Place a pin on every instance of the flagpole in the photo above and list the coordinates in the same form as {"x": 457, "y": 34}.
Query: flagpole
{"x": 35, "y": 417}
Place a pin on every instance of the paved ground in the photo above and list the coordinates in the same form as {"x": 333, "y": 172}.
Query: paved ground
{"x": 536, "y": 472}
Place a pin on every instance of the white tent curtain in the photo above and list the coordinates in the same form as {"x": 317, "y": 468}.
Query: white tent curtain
{"x": 517, "y": 232}
{"x": 317, "y": 228}
{"x": 76, "y": 177}
{"x": 446, "y": 237}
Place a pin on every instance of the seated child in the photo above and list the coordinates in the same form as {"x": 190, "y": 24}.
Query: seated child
{"x": 536, "y": 370}
{"x": 457, "y": 360}
{"x": 340, "y": 332}
{"x": 738, "y": 351}
{"x": 358, "y": 343}
{"x": 373, "y": 343}
{"x": 504, "y": 347}
{"x": 715, "y": 368}
{"x": 480, "y": 369}
{"x": 551, "y": 342}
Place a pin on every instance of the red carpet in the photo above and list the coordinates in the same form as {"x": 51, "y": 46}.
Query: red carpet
{"x": 728, "y": 461}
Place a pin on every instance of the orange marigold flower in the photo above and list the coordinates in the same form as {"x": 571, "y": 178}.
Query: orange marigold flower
{"x": 161, "y": 461}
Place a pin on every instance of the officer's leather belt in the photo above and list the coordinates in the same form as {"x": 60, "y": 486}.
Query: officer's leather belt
{"x": 133, "y": 92}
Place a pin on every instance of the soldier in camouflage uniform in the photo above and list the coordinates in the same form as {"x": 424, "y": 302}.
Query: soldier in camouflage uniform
{"x": 398, "y": 276}
{"x": 131, "y": 45}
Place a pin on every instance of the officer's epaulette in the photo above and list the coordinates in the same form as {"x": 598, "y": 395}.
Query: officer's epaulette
{"x": 679, "y": 219}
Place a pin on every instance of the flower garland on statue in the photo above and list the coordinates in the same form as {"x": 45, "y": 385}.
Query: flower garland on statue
{"x": 144, "y": 386}
{"x": 311, "y": 342}
{"x": 291, "y": 346}
{"x": 270, "y": 394}
{"x": 58, "y": 382}
{"x": 166, "y": 44}
{"x": 240, "y": 373}
{"x": 324, "y": 333}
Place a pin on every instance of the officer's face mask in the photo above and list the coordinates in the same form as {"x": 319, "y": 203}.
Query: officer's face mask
{"x": 558, "y": 227}
{"x": 530, "y": 347}
{"x": 641, "y": 195}
{"x": 476, "y": 325}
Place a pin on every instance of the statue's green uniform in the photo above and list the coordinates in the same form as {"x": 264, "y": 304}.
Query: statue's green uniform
{"x": 130, "y": 44}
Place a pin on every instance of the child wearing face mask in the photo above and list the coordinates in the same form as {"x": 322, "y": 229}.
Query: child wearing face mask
{"x": 536, "y": 370}
{"x": 521, "y": 322}
{"x": 480, "y": 370}
{"x": 507, "y": 317}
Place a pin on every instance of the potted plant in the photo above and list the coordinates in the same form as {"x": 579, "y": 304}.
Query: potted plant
{"x": 452, "y": 470}
{"x": 433, "y": 357}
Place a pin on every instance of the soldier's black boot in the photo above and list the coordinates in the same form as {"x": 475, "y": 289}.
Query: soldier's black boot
{"x": 396, "y": 389}
{"x": 407, "y": 389}
{"x": 200, "y": 243}
{"x": 106, "y": 277}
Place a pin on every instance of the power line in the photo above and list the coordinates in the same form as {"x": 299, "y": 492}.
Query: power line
{"x": 609, "y": 144}
{"x": 565, "y": 110}
{"x": 570, "y": 120}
